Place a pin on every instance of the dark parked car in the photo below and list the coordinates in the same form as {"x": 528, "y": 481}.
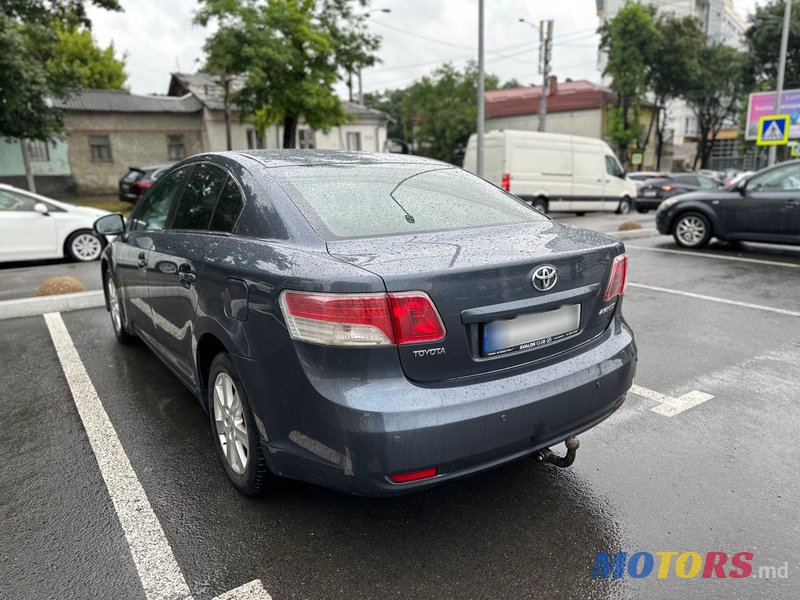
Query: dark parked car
{"x": 654, "y": 191}
{"x": 138, "y": 180}
{"x": 765, "y": 207}
{"x": 375, "y": 323}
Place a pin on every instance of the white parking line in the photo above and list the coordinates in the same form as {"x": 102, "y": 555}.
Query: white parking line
{"x": 652, "y": 288}
{"x": 669, "y": 406}
{"x": 757, "y": 261}
{"x": 155, "y": 563}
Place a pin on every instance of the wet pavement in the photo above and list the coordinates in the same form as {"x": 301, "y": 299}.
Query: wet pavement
{"x": 719, "y": 476}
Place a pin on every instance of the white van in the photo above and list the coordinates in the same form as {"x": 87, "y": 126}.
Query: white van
{"x": 554, "y": 172}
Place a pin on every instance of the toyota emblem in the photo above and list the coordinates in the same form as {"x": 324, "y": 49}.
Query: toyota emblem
{"x": 545, "y": 278}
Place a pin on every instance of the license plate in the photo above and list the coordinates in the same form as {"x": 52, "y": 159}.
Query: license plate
{"x": 530, "y": 331}
{"x": 650, "y": 194}
{"x": 125, "y": 187}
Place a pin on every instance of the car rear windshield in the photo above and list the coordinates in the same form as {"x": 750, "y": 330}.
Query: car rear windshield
{"x": 353, "y": 201}
{"x": 132, "y": 175}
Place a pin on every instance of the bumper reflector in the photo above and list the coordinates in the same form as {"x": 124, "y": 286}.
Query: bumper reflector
{"x": 414, "y": 475}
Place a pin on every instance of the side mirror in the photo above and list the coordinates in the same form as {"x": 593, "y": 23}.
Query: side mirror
{"x": 742, "y": 187}
{"x": 112, "y": 224}
{"x": 41, "y": 208}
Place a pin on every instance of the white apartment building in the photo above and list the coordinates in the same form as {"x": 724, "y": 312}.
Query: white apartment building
{"x": 722, "y": 25}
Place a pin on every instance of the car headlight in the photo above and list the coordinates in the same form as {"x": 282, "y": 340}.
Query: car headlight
{"x": 669, "y": 203}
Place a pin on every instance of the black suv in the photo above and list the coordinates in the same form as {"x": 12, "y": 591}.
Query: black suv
{"x": 140, "y": 179}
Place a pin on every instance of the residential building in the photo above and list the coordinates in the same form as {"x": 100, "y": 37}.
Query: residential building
{"x": 108, "y": 131}
{"x": 573, "y": 107}
{"x": 722, "y": 25}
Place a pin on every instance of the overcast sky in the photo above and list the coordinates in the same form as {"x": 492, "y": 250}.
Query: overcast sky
{"x": 158, "y": 38}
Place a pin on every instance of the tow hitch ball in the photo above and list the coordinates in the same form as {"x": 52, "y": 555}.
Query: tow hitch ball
{"x": 548, "y": 456}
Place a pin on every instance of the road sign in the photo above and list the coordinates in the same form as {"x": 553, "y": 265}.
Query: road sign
{"x": 773, "y": 130}
{"x": 637, "y": 158}
{"x": 795, "y": 149}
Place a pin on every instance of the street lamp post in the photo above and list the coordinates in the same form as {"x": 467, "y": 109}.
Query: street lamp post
{"x": 787, "y": 17}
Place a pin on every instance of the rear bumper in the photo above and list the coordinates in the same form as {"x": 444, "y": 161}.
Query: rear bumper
{"x": 351, "y": 437}
{"x": 648, "y": 202}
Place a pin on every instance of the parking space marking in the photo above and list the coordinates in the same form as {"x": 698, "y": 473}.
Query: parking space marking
{"x": 653, "y": 288}
{"x": 669, "y": 406}
{"x": 155, "y": 563}
{"x": 757, "y": 261}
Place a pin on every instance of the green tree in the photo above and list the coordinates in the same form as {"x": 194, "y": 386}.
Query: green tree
{"x": 763, "y": 44}
{"x": 77, "y": 61}
{"x": 715, "y": 95}
{"x": 672, "y": 69}
{"x": 290, "y": 53}
{"x": 630, "y": 40}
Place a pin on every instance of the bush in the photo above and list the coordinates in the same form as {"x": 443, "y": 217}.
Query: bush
{"x": 60, "y": 285}
{"x": 628, "y": 225}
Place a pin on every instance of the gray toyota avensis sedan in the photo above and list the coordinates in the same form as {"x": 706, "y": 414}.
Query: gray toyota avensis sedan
{"x": 374, "y": 323}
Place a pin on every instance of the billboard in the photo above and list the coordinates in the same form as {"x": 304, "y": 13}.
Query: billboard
{"x": 762, "y": 104}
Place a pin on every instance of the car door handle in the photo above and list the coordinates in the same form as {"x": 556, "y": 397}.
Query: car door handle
{"x": 142, "y": 261}
{"x": 187, "y": 276}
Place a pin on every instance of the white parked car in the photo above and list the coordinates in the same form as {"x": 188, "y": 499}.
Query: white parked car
{"x": 34, "y": 227}
{"x": 554, "y": 172}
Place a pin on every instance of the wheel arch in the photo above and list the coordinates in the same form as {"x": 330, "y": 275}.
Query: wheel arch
{"x": 208, "y": 346}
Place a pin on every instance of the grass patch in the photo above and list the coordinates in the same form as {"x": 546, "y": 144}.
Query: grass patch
{"x": 109, "y": 203}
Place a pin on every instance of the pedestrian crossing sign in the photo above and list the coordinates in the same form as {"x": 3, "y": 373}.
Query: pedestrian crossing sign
{"x": 795, "y": 149}
{"x": 773, "y": 130}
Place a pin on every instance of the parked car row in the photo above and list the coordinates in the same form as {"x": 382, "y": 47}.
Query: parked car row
{"x": 653, "y": 191}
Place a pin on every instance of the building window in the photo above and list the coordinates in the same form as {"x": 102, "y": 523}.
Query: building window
{"x": 38, "y": 151}
{"x": 353, "y": 140}
{"x": 100, "y": 146}
{"x": 305, "y": 139}
{"x": 176, "y": 149}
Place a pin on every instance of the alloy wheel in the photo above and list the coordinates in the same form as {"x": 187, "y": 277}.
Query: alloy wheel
{"x": 113, "y": 302}
{"x": 691, "y": 230}
{"x": 86, "y": 247}
{"x": 230, "y": 424}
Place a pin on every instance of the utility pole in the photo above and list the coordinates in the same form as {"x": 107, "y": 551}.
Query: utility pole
{"x": 787, "y": 17}
{"x": 479, "y": 153}
{"x": 545, "y": 54}
{"x": 24, "y": 145}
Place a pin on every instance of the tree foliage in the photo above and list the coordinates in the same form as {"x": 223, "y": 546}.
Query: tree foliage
{"x": 27, "y": 42}
{"x": 715, "y": 95}
{"x": 290, "y": 53}
{"x": 630, "y": 40}
{"x": 77, "y": 61}
{"x": 438, "y": 112}
{"x": 763, "y": 45}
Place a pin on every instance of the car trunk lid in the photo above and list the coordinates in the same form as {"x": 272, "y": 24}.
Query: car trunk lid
{"x": 481, "y": 282}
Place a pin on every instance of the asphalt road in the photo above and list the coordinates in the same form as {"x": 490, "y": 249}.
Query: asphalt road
{"x": 719, "y": 476}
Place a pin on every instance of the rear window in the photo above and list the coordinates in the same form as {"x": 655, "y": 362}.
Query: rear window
{"x": 352, "y": 201}
{"x": 132, "y": 175}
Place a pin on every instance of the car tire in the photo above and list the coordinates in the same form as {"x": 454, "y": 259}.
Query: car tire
{"x": 691, "y": 230}
{"x": 235, "y": 432}
{"x": 84, "y": 246}
{"x": 644, "y": 211}
{"x": 540, "y": 204}
{"x": 625, "y": 206}
{"x": 116, "y": 311}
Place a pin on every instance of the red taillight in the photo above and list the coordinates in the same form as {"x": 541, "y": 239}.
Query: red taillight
{"x": 668, "y": 188}
{"x": 415, "y": 318}
{"x": 414, "y": 475}
{"x": 619, "y": 273}
{"x": 506, "y": 184}
{"x": 142, "y": 185}
{"x": 361, "y": 319}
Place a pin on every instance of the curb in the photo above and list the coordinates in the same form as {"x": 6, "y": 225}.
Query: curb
{"x": 633, "y": 234}
{"x": 29, "y": 307}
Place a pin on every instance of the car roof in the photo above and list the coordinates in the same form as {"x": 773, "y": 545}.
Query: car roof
{"x": 150, "y": 167}
{"x": 288, "y": 158}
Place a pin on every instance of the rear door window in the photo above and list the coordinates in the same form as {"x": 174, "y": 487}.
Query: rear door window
{"x": 152, "y": 211}
{"x": 228, "y": 208}
{"x": 687, "y": 179}
{"x": 199, "y": 198}
{"x": 362, "y": 200}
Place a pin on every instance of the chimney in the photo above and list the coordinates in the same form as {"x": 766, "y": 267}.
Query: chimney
{"x": 552, "y": 85}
